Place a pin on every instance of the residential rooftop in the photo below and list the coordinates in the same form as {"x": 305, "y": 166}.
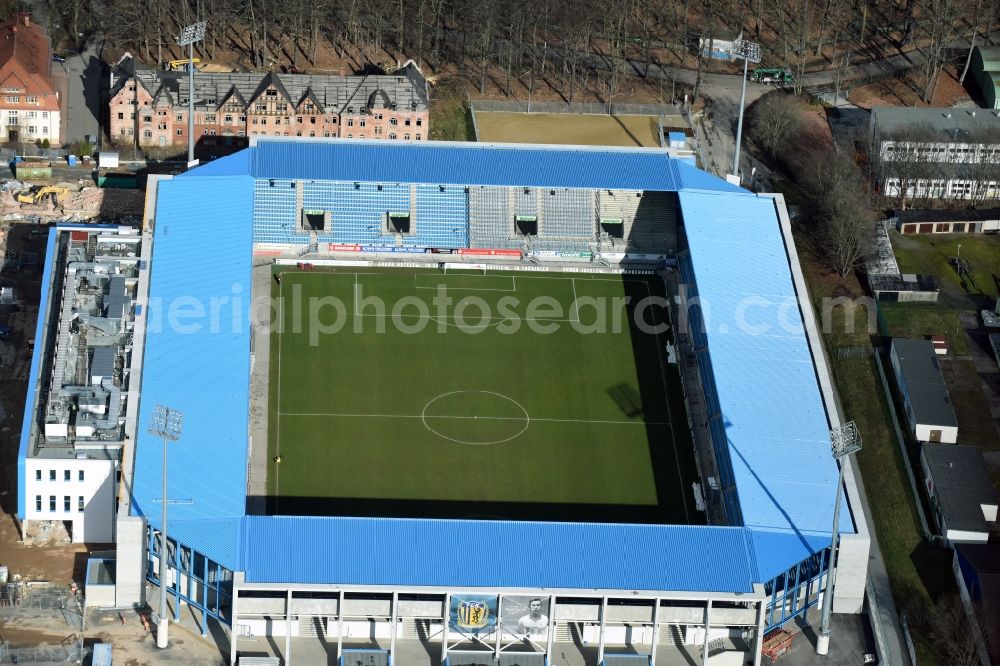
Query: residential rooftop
{"x": 403, "y": 90}
{"x": 925, "y": 384}
{"x": 961, "y": 484}
{"x": 937, "y": 124}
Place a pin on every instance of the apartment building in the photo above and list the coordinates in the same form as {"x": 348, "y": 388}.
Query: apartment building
{"x": 149, "y": 107}
{"x": 931, "y": 153}
{"x": 29, "y": 102}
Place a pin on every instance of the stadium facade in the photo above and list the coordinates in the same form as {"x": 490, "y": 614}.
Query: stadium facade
{"x": 749, "y": 327}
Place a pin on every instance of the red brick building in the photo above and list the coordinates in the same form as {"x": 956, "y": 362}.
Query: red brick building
{"x": 29, "y": 101}
{"x": 149, "y": 107}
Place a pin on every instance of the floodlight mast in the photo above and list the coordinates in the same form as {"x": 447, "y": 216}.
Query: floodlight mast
{"x": 189, "y": 35}
{"x": 167, "y": 423}
{"x": 844, "y": 441}
{"x": 750, "y": 52}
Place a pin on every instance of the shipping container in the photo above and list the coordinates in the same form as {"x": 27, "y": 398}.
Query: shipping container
{"x": 24, "y": 170}
{"x": 118, "y": 180}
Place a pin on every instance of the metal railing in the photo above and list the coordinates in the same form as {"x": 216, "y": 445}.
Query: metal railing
{"x": 74, "y": 652}
{"x": 599, "y": 108}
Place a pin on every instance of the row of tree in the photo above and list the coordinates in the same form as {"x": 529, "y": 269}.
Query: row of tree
{"x": 839, "y": 210}
{"x": 561, "y": 42}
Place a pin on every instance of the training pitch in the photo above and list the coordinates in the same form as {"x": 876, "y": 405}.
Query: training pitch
{"x": 509, "y": 395}
{"x": 569, "y": 129}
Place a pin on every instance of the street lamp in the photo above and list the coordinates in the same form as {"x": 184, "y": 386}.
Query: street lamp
{"x": 844, "y": 441}
{"x": 167, "y": 423}
{"x": 750, "y": 52}
{"x": 189, "y": 35}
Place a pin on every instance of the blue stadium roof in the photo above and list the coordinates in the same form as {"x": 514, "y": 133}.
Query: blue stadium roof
{"x": 32, "y": 390}
{"x": 460, "y": 163}
{"x": 474, "y": 553}
{"x": 196, "y": 361}
{"x": 784, "y": 473}
{"x": 766, "y": 383}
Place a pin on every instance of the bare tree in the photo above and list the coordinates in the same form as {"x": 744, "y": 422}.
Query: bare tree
{"x": 774, "y": 120}
{"x": 939, "y": 23}
{"x": 836, "y": 187}
{"x": 953, "y": 636}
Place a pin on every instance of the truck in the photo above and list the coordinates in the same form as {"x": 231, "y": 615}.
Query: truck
{"x": 776, "y": 76}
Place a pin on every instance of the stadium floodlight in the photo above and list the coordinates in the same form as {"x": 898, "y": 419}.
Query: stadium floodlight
{"x": 189, "y": 35}
{"x": 750, "y": 52}
{"x": 167, "y": 423}
{"x": 844, "y": 441}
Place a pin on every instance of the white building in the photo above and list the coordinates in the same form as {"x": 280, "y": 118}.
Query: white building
{"x": 79, "y": 412}
{"x": 29, "y": 101}
{"x": 930, "y": 153}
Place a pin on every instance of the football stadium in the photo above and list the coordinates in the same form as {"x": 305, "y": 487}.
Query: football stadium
{"x": 449, "y": 404}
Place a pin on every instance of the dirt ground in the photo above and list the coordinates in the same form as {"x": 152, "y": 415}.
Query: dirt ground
{"x": 584, "y": 130}
{"x": 86, "y": 202}
{"x": 59, "y": 563}
{"x": 906, "y": 90}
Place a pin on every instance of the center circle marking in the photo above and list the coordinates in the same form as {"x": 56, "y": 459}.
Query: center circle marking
{"x": 424, "y": 417}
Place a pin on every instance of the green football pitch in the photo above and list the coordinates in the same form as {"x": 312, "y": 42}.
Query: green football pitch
{"x": 511, "y": 395}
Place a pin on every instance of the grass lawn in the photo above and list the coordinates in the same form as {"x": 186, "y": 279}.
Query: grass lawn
{"x": 450, "y": 119}
{"x": 972, "y": 409}
{"x": 932, "y": 254}
{"x": 443, "y": 410}
{"x": 917, "y": 574}
{"x": 571, "y": 129}
{"x": 920, "y": 320}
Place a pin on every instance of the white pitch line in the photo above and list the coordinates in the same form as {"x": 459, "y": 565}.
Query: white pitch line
{"x": 470, "y": 418}
{"x": 575, "y": 306}
{"x": 471, "y": 322}
{"x": 277, "y": 435}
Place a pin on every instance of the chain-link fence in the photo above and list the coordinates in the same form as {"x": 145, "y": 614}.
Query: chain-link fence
{"x": 523, "y": 106}
{"x": 74, "y": 653}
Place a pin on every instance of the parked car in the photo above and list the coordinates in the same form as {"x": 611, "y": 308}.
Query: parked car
{"x": 4, "y": 332}
{"x": 57, "y": 58}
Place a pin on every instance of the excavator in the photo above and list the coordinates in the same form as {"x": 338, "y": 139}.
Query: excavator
{"x": 181, "y": 64}
{"x": 37, "y": 196}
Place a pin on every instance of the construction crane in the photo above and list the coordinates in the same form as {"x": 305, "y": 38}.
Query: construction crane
{"x": 179, "y": 64}
{"x": 38, "y": 196}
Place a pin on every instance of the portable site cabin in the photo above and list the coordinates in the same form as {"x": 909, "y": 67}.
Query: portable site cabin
{"x": 923, "y": 391}
{"x": 960, "y": 492}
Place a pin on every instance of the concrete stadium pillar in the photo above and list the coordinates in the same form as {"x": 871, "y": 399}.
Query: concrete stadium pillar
{"x": 234, "y": 632}
{"x": 287, "y": 661}
{"x": 340, "y": 626}
{"x": 498, "y": 632}
{"x": 395, "y": 622}
{"x": 758, "y": 641}
{"x": 130, "y": 562}
{"x": 444, "y": 628}
{"x": 708, "y": 625}
{"x": 600, "y": 643}
{"x": 656, "y": 631}
{"x": 550, "y": 645}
